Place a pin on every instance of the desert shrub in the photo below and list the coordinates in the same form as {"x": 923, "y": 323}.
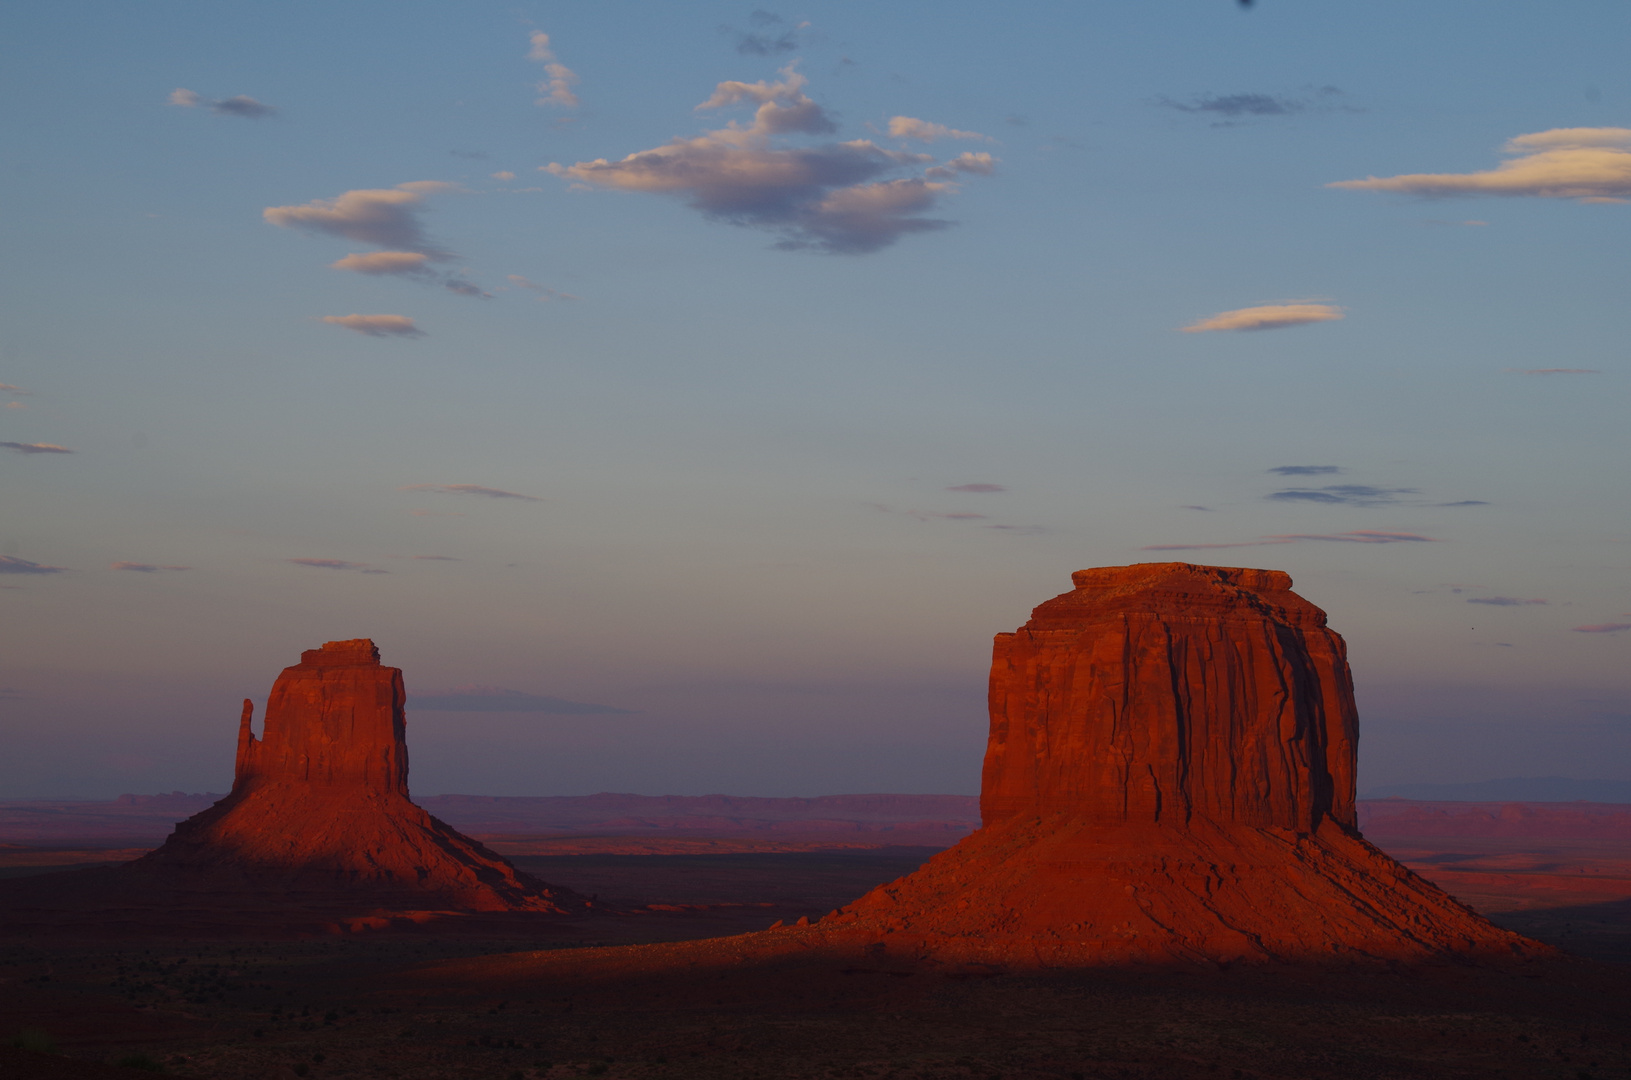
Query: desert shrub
{"x": 139, "y": 1061}
{"x": 34, "y": 1039}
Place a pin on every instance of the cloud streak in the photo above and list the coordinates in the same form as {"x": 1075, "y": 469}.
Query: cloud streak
{"x": 35, "y": 448}
{"x": 1503, "y": 601}
{"x": 145, "y": 568}
{"x": 376, "y": 325}
{"x": 1603, "y": 628}
{"x": 978, "y": 488}
{"x": 906, "y": 127}
{"x": 242, "y": 106}
{"x": 545, "y": 293}
{"x": 1587, "y": 164}
{"x": 470, "y": 489}
{"x": 1358, "y": 536}
{"x": 1266, "y": 317}
{"x": 11, "y": 564}
{"x": 336, "y": 564}
{"x": 1305, "y": 470}
{"x": 833, "y": 197}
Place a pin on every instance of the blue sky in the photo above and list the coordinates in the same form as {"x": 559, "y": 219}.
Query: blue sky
{"x": 740, "y": 368}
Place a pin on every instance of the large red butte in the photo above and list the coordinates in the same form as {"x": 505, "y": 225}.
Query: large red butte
{"x": 1170, "y": 776}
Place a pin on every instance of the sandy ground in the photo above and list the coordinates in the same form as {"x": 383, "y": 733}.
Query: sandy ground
{"x": 522, "y": 1001}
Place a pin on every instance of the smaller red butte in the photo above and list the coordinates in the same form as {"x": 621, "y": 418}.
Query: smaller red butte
{"x": 319, "y": 807}
{"x": 1170, "y": 777}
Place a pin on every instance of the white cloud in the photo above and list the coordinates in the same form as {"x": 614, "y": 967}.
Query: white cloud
{"x": 185, "y": 98}
{"x": 557, "y": 88}
{"x": 377, "y": 325}
{"x": 1588, "y": 164}
{"x": 905, "y": 127}
{"x": 1267, "y": 317}
{"x": 830, "y": 197}
{"x": 36, "y": 448}
{"x": 504, "y": 174}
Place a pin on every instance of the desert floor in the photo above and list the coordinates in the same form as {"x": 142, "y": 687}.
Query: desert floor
{"x": 453, "y": 1000}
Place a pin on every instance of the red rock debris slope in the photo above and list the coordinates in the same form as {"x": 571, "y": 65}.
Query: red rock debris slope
{"x": 319, "y": 807}
{"x": 1170, "y": 777}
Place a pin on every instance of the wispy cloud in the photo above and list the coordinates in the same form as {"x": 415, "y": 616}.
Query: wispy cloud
{"x": 978, "y": 488}
{"x": 1305, "y": 470}
{"x": 1559, "y": 371}
{"x": 829, "y": 197}
{"x": 1588, "y": 164}
{"x": 336, "y": 564}
{"x": 1229, "y": 109}
{"x": 145, "y": 568}
{"x": 545, "y": 293}
{"x": 470, "y": 489}
{"x": 496, "y": 699}
{"x": 242, "y": 106}
{"x": 7, "y": 388}
{"x": 1603, "y": 628}
{"x": 385, "y": 217}
{"x": 1343, "y": 494}
{"x": 35, "y": 448}
{"x": 409, "y": 264}
{"x": 1360, "y": 495}
{"x": 1358, "y": 536}
{"x": 907, "y": 127}
{"x": 1267, "y": 317}
{"x": 555, "y": 90}
{"x": 1503, "y": 601}
{"x": 427, "y": 558}
{"x": 376, "y": 325}
{"x": 11, "y": 564}
{"x": 769, "y": 35}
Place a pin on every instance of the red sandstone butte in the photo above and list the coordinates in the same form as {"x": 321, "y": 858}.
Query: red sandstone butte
{"x": 319, "y": 806}
{"x": 1170, "y": 777}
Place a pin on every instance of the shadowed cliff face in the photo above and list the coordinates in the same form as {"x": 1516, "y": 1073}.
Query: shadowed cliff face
{"x": 1166, "y": 691}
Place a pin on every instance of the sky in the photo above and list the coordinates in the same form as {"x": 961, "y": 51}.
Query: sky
{"x": 683, "y": 394}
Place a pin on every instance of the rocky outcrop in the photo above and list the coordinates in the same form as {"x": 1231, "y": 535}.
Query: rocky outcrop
{"x": 319, "y": 806}
{"x": 1170, "y": 777}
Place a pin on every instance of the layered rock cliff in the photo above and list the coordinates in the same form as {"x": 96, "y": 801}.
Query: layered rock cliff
{"x": 1170, "y": 777}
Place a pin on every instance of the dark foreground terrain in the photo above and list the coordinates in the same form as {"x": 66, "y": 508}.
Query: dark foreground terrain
{"x": 454, "y": 1001}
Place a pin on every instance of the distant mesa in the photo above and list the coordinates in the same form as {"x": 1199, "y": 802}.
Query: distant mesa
{"x": 1170, "y": 778}
{"x": 318, "y": 833}
{"x": 497, "y": 699}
